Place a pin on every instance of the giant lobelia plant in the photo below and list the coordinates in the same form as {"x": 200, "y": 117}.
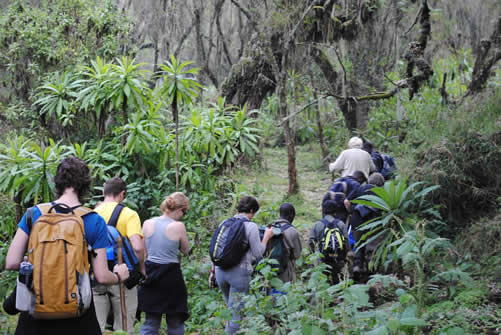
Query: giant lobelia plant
{"x": 399, "y": 206}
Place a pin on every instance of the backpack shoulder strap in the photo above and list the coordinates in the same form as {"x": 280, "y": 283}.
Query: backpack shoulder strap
{"x": 285, "y": 227}
{"x": 325, "y": 222}
{"x": 336, "y": 223}
{"x": 82, "y": 211}
{"x": 116, "y": 213}
{"x": 43, "y": 208}
{"x": 29, "y": 217}
{"x": 113, "y": 232}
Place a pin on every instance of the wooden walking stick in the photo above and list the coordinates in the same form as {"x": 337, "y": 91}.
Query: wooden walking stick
{"x": 122, "y": 290}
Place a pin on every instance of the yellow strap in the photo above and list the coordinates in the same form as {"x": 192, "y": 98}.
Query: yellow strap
{"x": 327, "y": 238}
{"x": 338, "y": 235}
{"x": 217, "y": 240}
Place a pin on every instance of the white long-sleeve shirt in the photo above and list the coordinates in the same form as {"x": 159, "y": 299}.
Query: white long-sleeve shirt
{"x": 351, "y": 160}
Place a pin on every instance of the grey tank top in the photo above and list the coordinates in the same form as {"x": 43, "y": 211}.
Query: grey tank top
{"x": 160, "y": 248}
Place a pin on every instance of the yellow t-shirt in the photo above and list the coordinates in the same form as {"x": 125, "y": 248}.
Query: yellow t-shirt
{"x": 128, "y": 223}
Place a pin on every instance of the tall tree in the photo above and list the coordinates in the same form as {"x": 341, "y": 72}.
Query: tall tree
{"x": 179, "y": 88}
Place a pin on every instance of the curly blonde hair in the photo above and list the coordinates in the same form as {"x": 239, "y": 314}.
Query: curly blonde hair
{"x": 174, "y": 201}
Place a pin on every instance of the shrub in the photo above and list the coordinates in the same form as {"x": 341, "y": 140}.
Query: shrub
{"x": 466, "y": 168}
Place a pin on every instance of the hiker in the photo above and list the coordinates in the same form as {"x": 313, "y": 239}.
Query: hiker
{"x": 376, "y": 157}
{"x": 359, "y": 216}
{"x": 389, "y": 167}
{"x": 343, "y": 190}
{"x": 353, "y": 159}
{"x": 236, "y": 278}
{"x": 385, "y": 164}
{"x": 72, "y": 182}
{"x": 329, "y": 236}
{"x": 128, "y": 224}
{"x": 164, "y": 291}
{"x": 291, "y": 243}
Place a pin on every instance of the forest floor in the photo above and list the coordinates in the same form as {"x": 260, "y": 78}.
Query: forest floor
{"x": 269, "y": 182}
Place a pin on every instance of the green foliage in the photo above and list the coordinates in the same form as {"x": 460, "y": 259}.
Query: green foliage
{"x": 415, "y": 250}
{"x": 127, "y": 85}
{"x": 472, "y": 298}
{"x": 56, "y": 100}
{"x": 220, "y": 137}
{"x": 54, "y": 36}
{"x": 311, "y": 305}
{"x": 27, "y": 169}
{"x": 399, "y": 205}
{"x": 179, "y": 87}
{"x": 91, "y": 91}
{"x": 98, "y": 90}
{"x": 465, "y": 166}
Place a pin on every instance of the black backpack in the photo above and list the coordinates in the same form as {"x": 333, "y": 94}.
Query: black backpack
{"x": 229, "y": 244}
{"x": 276, "y": 248}
{"x": 332, "y": 241}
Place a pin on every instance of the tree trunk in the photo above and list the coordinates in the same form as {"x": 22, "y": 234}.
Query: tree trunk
{"x": 176, "y": 120}
{"x": 489, "y": 55}
{"x": 288, "y": 133}
{"x": 289, "y": 139}
{"x": 124, "y": 115}
{"x": 348, "y": 107}
{"x": 320, "y": 133}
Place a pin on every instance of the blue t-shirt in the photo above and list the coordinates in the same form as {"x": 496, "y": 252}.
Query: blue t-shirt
{"x": 96, "y": 232}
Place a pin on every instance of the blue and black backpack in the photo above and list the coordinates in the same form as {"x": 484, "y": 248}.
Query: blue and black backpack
{"x": 229, "y": 244}
{"x": 389, "y": 167}
{"x": 337, "y": 193}
{"x": 129, "y": 257}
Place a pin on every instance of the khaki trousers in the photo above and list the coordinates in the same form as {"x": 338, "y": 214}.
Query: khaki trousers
{"x": 108, "y": 296}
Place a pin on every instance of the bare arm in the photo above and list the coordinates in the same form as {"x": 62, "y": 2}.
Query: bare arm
{"x": 138, "y": 245}
{"x": 101, "y": 272}
{"x": 257, "y": 246}
{"x": 268, "y": 233}
{"x": 17, "y": 249}
{"x": 148, "y": 230}
{"x": 184, "y": 244}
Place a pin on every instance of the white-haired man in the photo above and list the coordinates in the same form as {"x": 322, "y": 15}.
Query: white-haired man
{"x": 353, "y": 159}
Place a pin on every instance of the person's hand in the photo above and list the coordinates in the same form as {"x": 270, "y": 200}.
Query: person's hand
{"x": 122, "y": 270}
{"x": 268, "y": 233}
{"x": 347, "y": 205}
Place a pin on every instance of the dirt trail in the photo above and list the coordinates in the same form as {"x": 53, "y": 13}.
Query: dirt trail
{"x": 270, "y": 182}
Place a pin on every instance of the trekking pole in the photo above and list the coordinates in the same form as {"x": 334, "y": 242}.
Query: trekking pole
{"x": 121, "y": 284}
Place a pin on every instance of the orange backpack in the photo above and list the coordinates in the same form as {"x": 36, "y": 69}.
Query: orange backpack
{"x": 57, "y": 248}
